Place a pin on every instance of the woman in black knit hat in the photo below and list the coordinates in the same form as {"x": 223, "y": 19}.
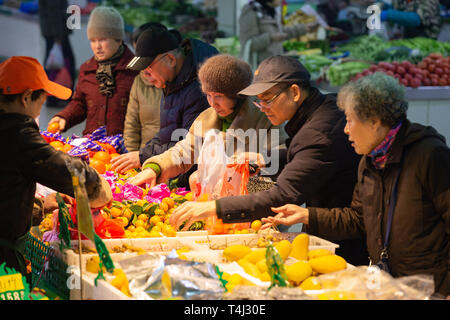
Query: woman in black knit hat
{"x": 221, "y": 77}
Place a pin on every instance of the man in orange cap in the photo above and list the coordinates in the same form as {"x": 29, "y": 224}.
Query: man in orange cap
{"x": 24, "y": 87}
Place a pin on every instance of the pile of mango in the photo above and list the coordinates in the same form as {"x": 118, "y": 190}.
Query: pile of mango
{"x": 307, "y": 264}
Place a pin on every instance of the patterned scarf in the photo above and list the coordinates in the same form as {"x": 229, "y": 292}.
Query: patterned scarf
{"x": 379, "y": 154}
{"x": 104, "y": 73}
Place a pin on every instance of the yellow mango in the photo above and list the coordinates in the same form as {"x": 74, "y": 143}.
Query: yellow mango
{"x": 312, "y": 254}
{"x": 262, "y": 265}
{"x": 284, "y": 248}
{"x": 311, "y": 283}
{"x": 250, "y": 268}
{"x": 298, "y": 271}
{"x": 265, "y": 276}
{"x": 236, "y": 252}
{"x": 300, "y": 247}
{"x": 256, "y": 255}
{"x": 327, "y": 264}
{"x": 337, "y": 295}
{"x": 235, "y": 278}
{"x": 93, "y": 264}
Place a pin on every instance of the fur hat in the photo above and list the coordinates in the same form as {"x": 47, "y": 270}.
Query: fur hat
{"x": 225, "y": 74}
{"x": 105, "y": 22}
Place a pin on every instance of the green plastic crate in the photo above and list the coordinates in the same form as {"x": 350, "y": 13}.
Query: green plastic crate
{"x": 48, "y": 271}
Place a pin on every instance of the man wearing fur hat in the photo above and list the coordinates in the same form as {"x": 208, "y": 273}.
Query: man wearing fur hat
{"x": 221, "y": 78}
{"x": 172, "y": 66}
{"x": 104, "y": 83}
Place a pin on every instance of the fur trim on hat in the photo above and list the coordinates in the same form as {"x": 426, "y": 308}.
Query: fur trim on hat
{"x": 105, "y": 22}
{"x": 225, "y": 74}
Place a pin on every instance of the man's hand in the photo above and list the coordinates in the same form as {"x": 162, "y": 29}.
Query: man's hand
{"x": 126, "y": 161}
{"x": 51, "y": 204}
{"x": 191, "y": 211}
{"x": 252, "y": 157}
{"x": 288, "y": 215}
{"x": 60, "y": 121}
{"x": 145, "y": 176}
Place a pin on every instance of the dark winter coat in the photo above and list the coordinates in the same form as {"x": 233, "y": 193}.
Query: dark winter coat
{"x": 321, "y": 169}
{"x": 419, "y": 238}
{"x": 182, "y": 100}
{"x": 97, "y": 109}
{"x": 28, "y": 159}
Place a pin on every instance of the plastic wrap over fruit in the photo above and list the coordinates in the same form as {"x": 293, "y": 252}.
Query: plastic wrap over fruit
{"x": 371, "y": 283}
{"x": 156, "y": 277}
{"x": 243, "y": 292}
{"x": 157, "y": 193}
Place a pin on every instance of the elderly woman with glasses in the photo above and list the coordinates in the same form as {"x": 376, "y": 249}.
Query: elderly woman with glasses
{"x": 401, "y": 201}
{"x": 221, "y": 78}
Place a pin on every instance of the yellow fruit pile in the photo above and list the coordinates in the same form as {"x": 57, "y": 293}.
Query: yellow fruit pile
{"x": 302, "y": 273}
{"x": 141, "y": 223}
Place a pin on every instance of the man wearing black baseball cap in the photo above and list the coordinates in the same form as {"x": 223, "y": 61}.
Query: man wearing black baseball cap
{"x": 172, "y": 66}
{"x": 319, "y": 167}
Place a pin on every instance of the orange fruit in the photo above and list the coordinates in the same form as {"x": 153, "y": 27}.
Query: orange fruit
{"x": 53, "y": 127}
{"x": 109, "y": 148}
{"x": 113, "y": 155}
{"x": 256, "y": 225}
{"x": 67, "y": 147}
{"x": 164, "y": 206}
{"x": 170, "y": 202}
{"x": 115, "y": 212}
{"x": 102, "y": 156}
{"x": 57, "y": 144}
{"x": 154, "y": 220}
{"x": 98, "y": 165}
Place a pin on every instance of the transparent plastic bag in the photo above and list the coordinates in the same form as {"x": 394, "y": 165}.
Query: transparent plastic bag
{"x": 212, "y": 162}
{"x": 55, "y": 59}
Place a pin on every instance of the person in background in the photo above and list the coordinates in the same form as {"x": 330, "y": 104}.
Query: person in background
{"x": 318, "y": 167}
{"x": 52, "y": 20}
{"x": 171, "y": 66}
{"x": 261, "y": 34}
{"x": 104, "y": 83}
{"x": 404, "y": 164}
{"x": 24, "y": 87}
{"x": 420, "y": 18}
{"x": 142, "y": 118}
{"x": 221, "y": 77}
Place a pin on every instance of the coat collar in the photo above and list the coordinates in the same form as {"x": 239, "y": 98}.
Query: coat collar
{"x": 304, "y": 112}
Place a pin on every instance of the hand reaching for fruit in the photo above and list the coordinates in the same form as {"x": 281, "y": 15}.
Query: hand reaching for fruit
{"x": 288, "y": 215}
{"x": 56, "y": 125}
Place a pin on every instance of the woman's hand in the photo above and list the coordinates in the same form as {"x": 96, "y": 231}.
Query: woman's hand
{"x": 288, "y": 215}
{"x": 126, "y": 161}
{"x": 191, "y": 212}
{"x": 145, "y": 176}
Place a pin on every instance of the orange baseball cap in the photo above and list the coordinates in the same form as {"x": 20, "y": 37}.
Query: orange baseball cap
{"x": 20, "y": 73}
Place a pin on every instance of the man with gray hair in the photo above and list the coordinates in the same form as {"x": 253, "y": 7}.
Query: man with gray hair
{"x": 171, "y": 66}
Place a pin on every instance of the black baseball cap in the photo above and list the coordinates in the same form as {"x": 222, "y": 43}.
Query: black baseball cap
{"x": 153, "y": 41}
{"x": 275, "y": 70}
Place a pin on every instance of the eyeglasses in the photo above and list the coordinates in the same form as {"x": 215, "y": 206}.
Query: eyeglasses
{"x": 149, "y": 68}
{"x": 267, "y": 103}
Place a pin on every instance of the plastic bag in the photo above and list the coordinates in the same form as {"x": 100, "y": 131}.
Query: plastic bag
{"x": 235, "y": 180}
{"x": 55, "y": 59}
{"x": 211, "y": 166}
{"x": 64, "y": 78}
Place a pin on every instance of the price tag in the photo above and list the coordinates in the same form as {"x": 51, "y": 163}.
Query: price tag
{"x": 13, "y": 285}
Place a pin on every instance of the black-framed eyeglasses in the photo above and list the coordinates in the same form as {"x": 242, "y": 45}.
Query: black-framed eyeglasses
{"x": 149, "y": 68}
{"x": 267, "y": 103}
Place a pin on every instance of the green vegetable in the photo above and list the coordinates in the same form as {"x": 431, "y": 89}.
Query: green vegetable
{"x": 314, "y": 62}
{"x": 339, "y": 74}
